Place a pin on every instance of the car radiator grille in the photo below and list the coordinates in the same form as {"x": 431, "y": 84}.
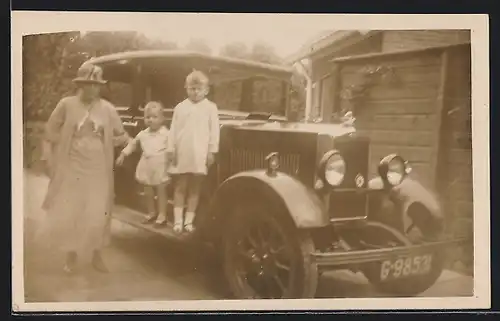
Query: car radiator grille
{"x": 243, "y": 160}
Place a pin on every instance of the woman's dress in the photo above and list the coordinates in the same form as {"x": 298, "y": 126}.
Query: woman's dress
{"x": 78, "y": 215}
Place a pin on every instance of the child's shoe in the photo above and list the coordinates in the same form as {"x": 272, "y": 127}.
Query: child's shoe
{"x": 178, "y": 220}
{"x": 161, "y": 219}
{"x": 150, "y": 218}
{"x": 188, "y": 223}
{"x": 98, "y": 262}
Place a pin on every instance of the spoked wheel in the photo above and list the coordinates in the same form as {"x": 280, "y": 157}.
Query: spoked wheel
{"x": 403, "y": 276}
{"x": 266, "y": 257}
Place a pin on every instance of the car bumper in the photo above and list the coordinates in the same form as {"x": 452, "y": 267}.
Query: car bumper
{"x": 337, "y": 259}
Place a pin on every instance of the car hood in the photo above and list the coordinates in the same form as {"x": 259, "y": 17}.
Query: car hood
{"x": 333, "y": 130}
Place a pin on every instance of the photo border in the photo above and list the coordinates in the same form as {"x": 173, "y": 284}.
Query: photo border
{"x": 32, "y": 22}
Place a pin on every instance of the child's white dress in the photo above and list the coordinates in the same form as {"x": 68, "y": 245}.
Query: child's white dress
{"x": 194, "y": 133}
{"x": 152, "y": 167}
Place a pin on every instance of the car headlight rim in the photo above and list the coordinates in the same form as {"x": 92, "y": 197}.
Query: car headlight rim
{"x": 333, "y": 175}
{"x": 393, "y": 169}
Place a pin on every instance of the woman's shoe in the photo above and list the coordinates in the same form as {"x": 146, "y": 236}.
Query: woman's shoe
{"x": 70, "y": 264}
{"x": 98, "y": 263}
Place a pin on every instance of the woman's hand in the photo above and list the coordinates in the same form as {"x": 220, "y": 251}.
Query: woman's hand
{"x": 46, "y": 167}
{"x": 120, "y": 159}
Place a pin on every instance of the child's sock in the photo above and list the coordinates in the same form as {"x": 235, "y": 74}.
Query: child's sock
{"x": 188, "y": 222}
{"x": 178, "y": 213}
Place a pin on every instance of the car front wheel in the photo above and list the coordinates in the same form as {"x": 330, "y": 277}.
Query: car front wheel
{"x": 266, "y": 256}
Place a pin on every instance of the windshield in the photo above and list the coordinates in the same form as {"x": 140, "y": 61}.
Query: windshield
{"x": 119, "y": 93}
{"x": 232, "y": 91}
{"x": 261, "y": 95}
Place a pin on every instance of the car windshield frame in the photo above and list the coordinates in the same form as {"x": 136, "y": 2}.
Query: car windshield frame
{"x": 131, "y": 68}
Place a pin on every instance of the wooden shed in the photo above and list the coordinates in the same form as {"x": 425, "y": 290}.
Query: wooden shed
{"x": 410, "y": 91}
{"x": 345, "y": 43}
{"x": 416, "y": 103}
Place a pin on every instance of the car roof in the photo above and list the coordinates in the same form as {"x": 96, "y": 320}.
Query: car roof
{"x": 196, "y": 60}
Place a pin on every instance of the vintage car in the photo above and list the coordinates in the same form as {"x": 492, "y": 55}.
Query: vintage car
{"x": 285, "y": 200}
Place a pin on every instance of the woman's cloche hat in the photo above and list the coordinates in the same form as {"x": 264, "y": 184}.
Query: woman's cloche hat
{"x": 89, "y": 73}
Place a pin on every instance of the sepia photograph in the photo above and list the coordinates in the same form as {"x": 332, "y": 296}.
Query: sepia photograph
{"x": 167, "y": 161}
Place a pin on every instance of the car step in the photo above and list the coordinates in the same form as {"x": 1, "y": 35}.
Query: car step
{"x": 169, "y": 201}
{"x": 135, "y": 218}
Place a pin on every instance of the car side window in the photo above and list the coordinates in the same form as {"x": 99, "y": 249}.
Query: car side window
{"x": 118, "y": 93}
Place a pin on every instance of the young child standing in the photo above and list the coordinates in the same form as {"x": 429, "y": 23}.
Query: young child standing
{"x": 152, "y": 167}
{"x": 192, "y": 145}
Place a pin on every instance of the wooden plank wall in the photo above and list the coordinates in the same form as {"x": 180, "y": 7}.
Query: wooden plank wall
{"x": 322, "y": 71}
{"x": 399, "y": 115}
{"x": 456, "y": 179}
{"x": 427, "y": 123}
{"x": 394, "y": 40}
{"x": 386, "y": 41}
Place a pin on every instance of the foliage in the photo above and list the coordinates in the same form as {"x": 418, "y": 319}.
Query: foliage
{"x": 43, "y": 72}
{"x": 235, "y": 50}
{"x": 98, "y": 43}
{"x": 50, "y": 61}
{"x": 198, "y": 45}
{"x": 264, "y": 52}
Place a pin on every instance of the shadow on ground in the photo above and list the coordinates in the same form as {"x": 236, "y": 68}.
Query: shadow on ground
{"x": 147, "y": 267}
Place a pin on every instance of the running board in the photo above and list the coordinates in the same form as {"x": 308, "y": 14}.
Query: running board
{"x": 134, "y": 218}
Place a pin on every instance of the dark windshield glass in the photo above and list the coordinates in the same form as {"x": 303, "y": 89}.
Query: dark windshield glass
{"x": 118, "y": 93}
{"x": 255, "y": 94}
{"x": 260, "y": 95}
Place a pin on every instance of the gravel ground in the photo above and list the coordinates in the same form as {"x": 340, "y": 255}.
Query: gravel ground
{"x": 147, "y": 267}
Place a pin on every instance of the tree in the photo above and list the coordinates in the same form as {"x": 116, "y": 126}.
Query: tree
{"x": 264, "y": 52}
{"x": 98, "y": 43}
{"x": 158, "y": 44}
{"x": 198, "y": 45}
{"x": 44, "y": 79}
{"x": 235, "y": 50}
{"x": 50, "y": 61}
{"x": 43, "y": 84}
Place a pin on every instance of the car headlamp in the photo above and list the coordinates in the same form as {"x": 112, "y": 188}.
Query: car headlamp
{"x": 333, "y": 168}
{"x": 393, "y": 169}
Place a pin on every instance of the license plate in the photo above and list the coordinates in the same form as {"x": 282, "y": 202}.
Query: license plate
{"x": 405, "y": 267}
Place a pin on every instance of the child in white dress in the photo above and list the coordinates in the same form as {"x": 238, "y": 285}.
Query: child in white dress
{"x": 192, "y": 145}
{"x": 152, "y": 167}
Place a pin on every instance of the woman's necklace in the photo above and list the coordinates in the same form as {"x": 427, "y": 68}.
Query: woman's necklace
{"x": 88, "y": 108}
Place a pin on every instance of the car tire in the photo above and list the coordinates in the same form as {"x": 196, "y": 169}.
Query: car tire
{"x": 295, "y": 246}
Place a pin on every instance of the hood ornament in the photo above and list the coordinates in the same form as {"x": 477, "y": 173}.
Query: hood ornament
{"x": 348, "y": 119}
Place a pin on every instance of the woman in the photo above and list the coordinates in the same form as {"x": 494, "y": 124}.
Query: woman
{"x": 78, "y": 152}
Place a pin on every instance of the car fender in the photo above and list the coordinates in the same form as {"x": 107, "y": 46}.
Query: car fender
{"x": 409, "y": 199}
{"x": 302, "y": 204}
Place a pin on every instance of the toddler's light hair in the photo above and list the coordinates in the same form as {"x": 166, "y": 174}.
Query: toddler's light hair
{"x": 154, "y": 105}
{"x": 197, "y": 77}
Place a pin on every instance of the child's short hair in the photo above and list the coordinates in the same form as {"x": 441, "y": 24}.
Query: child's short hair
{"x": 197, "y": 77}
{"x": 154, "y": 105}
